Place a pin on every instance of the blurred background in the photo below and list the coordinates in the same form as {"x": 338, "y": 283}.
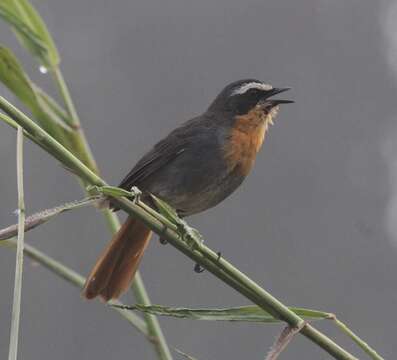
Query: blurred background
{"x": 316, "y": 221}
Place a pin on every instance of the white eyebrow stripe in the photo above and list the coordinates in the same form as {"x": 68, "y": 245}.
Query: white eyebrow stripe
{"x": 251, "y": 85}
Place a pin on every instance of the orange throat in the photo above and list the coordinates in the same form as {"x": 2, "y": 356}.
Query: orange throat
{"x": 246, "y": 139}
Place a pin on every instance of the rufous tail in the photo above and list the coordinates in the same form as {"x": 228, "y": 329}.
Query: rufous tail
{"x": 116, "y": 267}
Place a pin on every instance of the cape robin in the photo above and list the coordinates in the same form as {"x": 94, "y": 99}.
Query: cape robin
{"x": 194, "y": 168}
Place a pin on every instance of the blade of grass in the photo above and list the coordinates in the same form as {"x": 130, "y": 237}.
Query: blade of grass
{"x": 23, "y": 31}
{"x": 30, "y": 30}
{"x": 16, "y": 305}
{"x": 52, "y": 106}
{"x": 242, "y": 313}
{"x": 14, "y": 77}
{"x": 36, "y": 23}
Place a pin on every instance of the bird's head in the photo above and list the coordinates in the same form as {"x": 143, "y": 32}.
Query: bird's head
{"x": 242, "y": 96}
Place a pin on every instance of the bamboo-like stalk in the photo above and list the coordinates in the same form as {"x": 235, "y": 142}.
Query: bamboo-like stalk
{"x": 16, "y": 305}
{"x": 204, "y": 256}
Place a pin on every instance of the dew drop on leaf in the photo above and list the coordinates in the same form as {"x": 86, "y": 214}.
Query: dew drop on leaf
{"x": 43, "y": 69}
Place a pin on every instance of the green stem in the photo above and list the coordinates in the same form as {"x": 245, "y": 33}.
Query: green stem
{"x": 153, "y": 325}
{"x": 361, "y": 343}
{"x": 78, "y": 139}
{"x": 16, "y": 305}
{"x": 204, "y": 256}
{"x": 13, "y": 124}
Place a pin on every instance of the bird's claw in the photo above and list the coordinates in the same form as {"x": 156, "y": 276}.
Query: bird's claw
{"x": 163, "y": 241}
{"x": 198, "y": 268}
{"x": 219, "y": 254}
{"x": 190, "y": 235}
{"x": 137, "y": 194}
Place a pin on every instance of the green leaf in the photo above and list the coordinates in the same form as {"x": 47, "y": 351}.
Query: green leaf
{"x": 15, "y": 79}
{"x": 13, "y": 76}
{"x": 8, "y": 14}
{"x": 51, "y": 106}
{"x": 166, "y": 210}
{"x": 30, "y": 29}
{"x": 242, "y": 313}
{"x": 40, "y": 28}
{"x": 113, "y": 191}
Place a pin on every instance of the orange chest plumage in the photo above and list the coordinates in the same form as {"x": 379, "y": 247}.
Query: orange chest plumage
{"x": 245, "y": 140}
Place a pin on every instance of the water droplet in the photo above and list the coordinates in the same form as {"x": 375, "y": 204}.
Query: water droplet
{"x": 43, "y": 69}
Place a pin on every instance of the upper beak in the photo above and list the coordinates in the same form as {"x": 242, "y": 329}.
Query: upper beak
{"x": 275, "y": 91}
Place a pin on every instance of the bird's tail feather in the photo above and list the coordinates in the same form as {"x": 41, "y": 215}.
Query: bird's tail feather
{"x": 116, "y": 267}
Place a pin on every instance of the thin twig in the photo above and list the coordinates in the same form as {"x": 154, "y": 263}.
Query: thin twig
{"x": 16, "y": 305}
{"x": 41, "y": 217}
{"x": 282, "y": 341}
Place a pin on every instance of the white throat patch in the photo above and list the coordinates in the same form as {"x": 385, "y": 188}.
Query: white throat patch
{"x": 251, "y": 85}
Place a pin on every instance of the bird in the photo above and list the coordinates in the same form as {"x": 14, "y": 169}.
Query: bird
{"x": 193, "y": 168}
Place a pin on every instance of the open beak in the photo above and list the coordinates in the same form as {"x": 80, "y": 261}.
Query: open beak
{"x": 275, "y": 91}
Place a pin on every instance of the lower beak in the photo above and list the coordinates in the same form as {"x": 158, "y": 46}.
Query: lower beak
{"x": 276, "y": 102}
{"x": 276, "y": 91}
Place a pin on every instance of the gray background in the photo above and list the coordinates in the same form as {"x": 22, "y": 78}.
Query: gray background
{"x": 315, "y": 221}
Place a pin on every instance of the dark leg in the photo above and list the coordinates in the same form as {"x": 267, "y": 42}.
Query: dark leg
{"x": 198, "y": 269}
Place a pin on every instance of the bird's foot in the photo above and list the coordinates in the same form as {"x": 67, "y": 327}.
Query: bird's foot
{"x": 113, "y": 191}
{"x": 190, "y": 235}
{"x": 136, "y": 193}
{"x": 163, "y": 241}
{"x": 198, "y": 268}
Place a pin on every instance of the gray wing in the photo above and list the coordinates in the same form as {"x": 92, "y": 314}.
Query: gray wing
{"x": 163, "y": 153}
